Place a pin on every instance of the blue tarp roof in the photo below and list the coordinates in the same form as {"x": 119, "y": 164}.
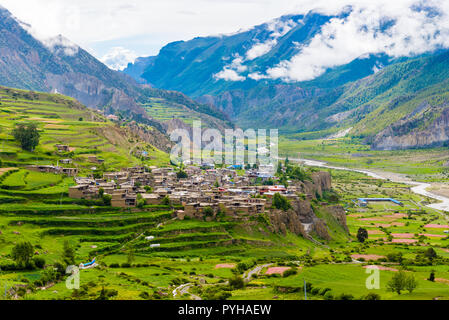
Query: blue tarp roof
{"x": 380, "y": 199}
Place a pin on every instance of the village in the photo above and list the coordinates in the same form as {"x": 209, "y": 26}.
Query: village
{"x": 199, "y": 190}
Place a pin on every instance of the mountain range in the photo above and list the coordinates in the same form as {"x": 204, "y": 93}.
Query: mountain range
{"x": 248, "y": 79}
{"x": 57, "y": 65}
{"x": 390, "y": 101}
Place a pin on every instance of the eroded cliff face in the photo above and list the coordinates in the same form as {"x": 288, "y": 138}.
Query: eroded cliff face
{"x": 321, "y": 181}
{"x": 427, "y": 129}
{"x": 301, "y": 218}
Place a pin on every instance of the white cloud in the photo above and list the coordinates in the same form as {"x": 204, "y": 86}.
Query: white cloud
{"x": 260, "y": 49}
{"x": 277, "y": 29}
{"x": 61, "y": 45}
{"x": 118, "y": 58}
{"x": 343, "y": 40}
{"x": 229, "y": 75}
{"x": 257, "y": 76}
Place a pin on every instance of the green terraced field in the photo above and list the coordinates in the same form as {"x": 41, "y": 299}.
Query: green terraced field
{"x": 63, "y": 120}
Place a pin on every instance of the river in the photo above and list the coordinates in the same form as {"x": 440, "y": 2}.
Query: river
{"x": 418, "y": 187}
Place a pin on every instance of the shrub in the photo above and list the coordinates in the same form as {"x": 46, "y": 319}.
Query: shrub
{"x": 236, "y": 283}
{"x": 345, "y": 296}
{"x": 324, "y": 291}
{"x": 328, "y": 296}
{"x": 144, "y": 295}
{"x": 371, "y": 296}
{"x": 315, "y": 291}
{"x": 289, "y": 272}
{"x": 39, "y": 262}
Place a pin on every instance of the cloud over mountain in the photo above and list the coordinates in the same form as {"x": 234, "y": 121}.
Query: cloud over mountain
{"x": 396, "y": 28}
{"x": 118, "y": 58}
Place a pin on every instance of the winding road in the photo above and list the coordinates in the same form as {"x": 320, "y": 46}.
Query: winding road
{"x": 183, "y": 289}
{"x": 418, "y": 187}
{"x": 249, "y": 274}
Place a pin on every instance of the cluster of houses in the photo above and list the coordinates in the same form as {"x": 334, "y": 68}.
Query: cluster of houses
{"x": 59, "y": 169}
{"x": 205, "y": 191}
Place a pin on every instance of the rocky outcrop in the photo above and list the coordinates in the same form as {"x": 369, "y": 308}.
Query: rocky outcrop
{"x": 284, "y": 221}
{"x": 302, "y": 220}
{"x": 320, "y": 182}
{"x": 320, "y": 228}
{"x": 339, "y": 213}
{"x": 427, "y": 129}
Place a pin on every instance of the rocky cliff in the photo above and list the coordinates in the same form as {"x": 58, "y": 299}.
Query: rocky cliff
{"x": 302, "y": 219}
{"x": 428, "y": 128}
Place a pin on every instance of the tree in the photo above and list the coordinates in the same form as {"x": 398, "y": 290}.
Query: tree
{"x": 432, "y": 276}
{"x": 68, "y": 254}
{"x": 165, "y": 201}
{"x": 362, "y": 235}
{"x": 236, "y": 283}
{"x": 398, "y": 282}
{"x": 22, "y": 253}
{"x": 181, "y": 174}
{"x": 281, "y": 202}
{"x": 299, "y": 173}
{"x": 140, "y": 201}
{"x": 410, "y": 283}
{"x": 27, "y": 135}
{"x": 130, "y": 256}
{"x": 431, "y": 254}
{"x": 208, "y": 212}
{"x": 107, "y": 198}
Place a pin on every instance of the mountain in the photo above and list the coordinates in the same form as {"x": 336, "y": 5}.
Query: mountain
{"x": 392, "y": 101}
{"x": 58, "y": 65}
{"x": 191, "y": 66}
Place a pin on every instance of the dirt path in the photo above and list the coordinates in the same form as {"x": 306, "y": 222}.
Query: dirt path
{"x": 247, "y": 276}
{"x": 184, "y": 289}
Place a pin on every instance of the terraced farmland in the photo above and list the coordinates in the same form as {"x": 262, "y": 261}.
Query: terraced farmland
{"x": 62, "y": 120}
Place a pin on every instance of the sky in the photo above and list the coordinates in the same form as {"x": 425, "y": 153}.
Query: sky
{"x": 119, "y": 31}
